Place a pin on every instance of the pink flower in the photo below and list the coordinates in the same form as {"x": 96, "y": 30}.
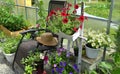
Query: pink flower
{"x": 37, "y": 25}
{"x": 45, "y": 59}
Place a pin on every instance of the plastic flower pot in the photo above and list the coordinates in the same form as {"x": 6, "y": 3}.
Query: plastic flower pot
{"x": 92, "y": 52}
{"x": 9, "y": 57}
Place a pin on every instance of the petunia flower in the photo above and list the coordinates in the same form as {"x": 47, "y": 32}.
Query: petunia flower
{"x": 75, "y": 67}
{"x": 69, "y": 4}
{"x": 53, "y": 71}
{"x": 55, "y": 65}
{"x": 81, "y": 26}
{"x": 65, "y": 20}
{"x": 45, "y": 59}
{"x": 37, "y": 25}
{"x": 81, "y": 18}
{"x": 76, "y": 6}
{"x": 75, "y": 29}
{"x": 74, "y": 11}
{"x": 52, "y": 12}
{"x": 63, "y": 14}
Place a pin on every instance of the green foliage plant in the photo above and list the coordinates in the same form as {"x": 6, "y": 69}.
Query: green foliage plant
{"x": 10, "y": 45}
{"x": 116, "y": 54}
{"x": 105, "y": 67}
{"x": 12, "y": 22}
{"x": 8, "y": 5}
{"x": 42, "y": 14}
{"x": 30, "y": 62}
{"x": 117, "y": 39}
{"x": 102, "y": 68}
{"x": 8, "y": 19}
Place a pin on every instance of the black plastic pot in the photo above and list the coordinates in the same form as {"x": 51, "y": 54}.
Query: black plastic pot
{"x": 39, "y": 67}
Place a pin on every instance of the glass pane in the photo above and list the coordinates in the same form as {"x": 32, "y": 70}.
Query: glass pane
{"x": 116, "y": 11}
{"x": 95, "y": 24}
{"x": 31, "y": 15}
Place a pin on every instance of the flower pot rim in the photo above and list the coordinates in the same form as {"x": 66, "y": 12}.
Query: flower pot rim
{"x": 92, "y": 47}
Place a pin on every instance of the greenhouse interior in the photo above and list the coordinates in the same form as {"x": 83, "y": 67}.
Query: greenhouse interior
{"x": 59, "y": 37}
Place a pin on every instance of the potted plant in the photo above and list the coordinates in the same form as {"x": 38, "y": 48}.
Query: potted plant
{"x": 33, "y": 63}
{"x": 95, "y": 41}
{"x": 9, "y": 22}
{"x": 63, "y": 62}
{"x": 64, "y": 20}
{"x": 9, "y": 48}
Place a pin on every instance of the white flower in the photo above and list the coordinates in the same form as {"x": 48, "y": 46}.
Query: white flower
{"x": 97, "y": 39}
{"x": 41, "y": 56}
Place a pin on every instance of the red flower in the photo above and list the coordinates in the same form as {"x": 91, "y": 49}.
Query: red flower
{"x": 74, "y": 11}
{"x": 75, "y": 29}
{"x": 64, "y": 9}
{"x": 57, "y": 9}
{"x": 52, "y": 12}
{"x": 86, "y": 18}
{"x": 69, "y": 5}
{"x": 81, "y": 26}
{"x": 63, "y": 14}
{"x": 81, "y": 18}
{"x": 65, "y": 20}
{"x": 76, "y": 6}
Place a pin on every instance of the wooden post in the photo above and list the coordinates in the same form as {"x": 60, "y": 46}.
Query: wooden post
{"x": 81, "y": 40}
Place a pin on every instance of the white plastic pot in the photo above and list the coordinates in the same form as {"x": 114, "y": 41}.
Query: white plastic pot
{"x": 9, "y": 57}
{"x": 91, "y": 52}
